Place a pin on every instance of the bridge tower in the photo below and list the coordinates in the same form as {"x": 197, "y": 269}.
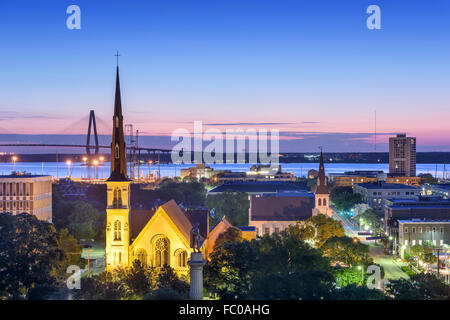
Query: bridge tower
{"x": 94, "y": 125}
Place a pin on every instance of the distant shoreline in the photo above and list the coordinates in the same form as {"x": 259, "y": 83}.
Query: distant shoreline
{"x": 286, "y": 157}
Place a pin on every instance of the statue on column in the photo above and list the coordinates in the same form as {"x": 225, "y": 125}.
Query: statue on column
{"x": 196, "y": 264}
{"x": 195, "y": 237}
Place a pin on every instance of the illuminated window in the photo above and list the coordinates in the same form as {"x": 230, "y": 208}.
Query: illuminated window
{"x": 117, "y": 198}
{"x": 141, "y": 256}
{"x": 117, "y": 231}
{"x": 181, "y": 259}
{"x": 161, "y": 252}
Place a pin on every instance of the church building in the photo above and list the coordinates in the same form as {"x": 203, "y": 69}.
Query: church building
{"x": 322, "y": 194}
{"x": 156, "y": 237}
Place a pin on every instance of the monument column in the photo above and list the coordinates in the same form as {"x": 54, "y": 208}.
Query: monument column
{"x": 196, "y": 273}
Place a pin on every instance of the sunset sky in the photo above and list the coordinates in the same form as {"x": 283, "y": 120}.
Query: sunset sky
{"x": 312, "y": 69}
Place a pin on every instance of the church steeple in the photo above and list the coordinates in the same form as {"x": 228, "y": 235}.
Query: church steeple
{"x": 322, "y": 179}
{"x": 118, "y": 149}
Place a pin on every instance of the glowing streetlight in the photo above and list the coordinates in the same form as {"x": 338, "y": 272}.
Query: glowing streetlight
{"x": 14, "y": 159}
{"x": 95, "y": 163}
{"x": 150, "y": 168}
{"x": 85, "y": 159}
{"x": 68, "y": 162}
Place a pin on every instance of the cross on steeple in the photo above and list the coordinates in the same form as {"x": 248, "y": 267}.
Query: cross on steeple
{"x": 117, "y": 55}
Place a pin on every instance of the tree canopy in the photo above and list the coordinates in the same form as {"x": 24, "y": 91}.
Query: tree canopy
{"x": 345, "y": 250}
{"x": 33, "y": 255}
{"x": 370, "y": 218}
{"x": 239, "y": 270}
{"x": 232, "y": 205}
{"x": 420, "y": 287}
{"x": 344, "y": 199}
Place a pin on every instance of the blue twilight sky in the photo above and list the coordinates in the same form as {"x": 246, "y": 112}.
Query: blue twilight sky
{"x": 312, "y": 69}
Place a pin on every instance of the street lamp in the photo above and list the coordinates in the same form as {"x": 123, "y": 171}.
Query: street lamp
{"x": 101, "y": 160}
{"x": 68, "y": 162}
{"x": 14, "y": 159}
{"x": 95, "y": 162}
{"x": 150, "y": 168}
{"x": 85, "y": 166}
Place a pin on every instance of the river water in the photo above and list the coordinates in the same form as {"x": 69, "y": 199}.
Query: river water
{"x": 79, "y": 170}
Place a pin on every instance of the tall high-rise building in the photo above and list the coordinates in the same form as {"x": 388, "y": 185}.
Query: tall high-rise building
{"x": 402, "y": 156}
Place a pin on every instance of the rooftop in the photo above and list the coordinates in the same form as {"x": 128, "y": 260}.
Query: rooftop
{"x": 23, "y": 175}
{"x": 445, "y": 186}
{"x": 383, "y": 185}
{"x": 425, "y": 221}
{"x": 420, "y": 202}
{"x": 261, "y": 187}
{"x": 358, "y": 173}
{"x": 274, "y": 208}
{"x": 299, "y": 193}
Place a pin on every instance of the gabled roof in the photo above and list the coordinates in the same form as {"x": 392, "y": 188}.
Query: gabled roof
{"x": 281, "y": 208}
{"x": 138, "y": 220}
{"x": 178, "y": 218}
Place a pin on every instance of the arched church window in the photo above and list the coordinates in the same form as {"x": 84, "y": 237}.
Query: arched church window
{"x": 117, "y": 231}
{"x": 161, "y": 252}
{"x": 181, "y": 258}
{"x": 119, "y": 198}
{"x": 141, "y": 256}
{"x": 320, "y": 201}
{"x": 324, "y": 202}
{"x": 115, "y": 198}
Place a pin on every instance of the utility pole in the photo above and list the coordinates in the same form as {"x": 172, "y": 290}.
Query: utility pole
{"x": 438, "y": 275}
{"x": 57, "y": 178}
{"x": 159, "y": 167}
{"x": 89, "y": 262}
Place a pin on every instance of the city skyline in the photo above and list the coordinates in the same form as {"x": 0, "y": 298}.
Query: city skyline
{"x": 316, "y": 75}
